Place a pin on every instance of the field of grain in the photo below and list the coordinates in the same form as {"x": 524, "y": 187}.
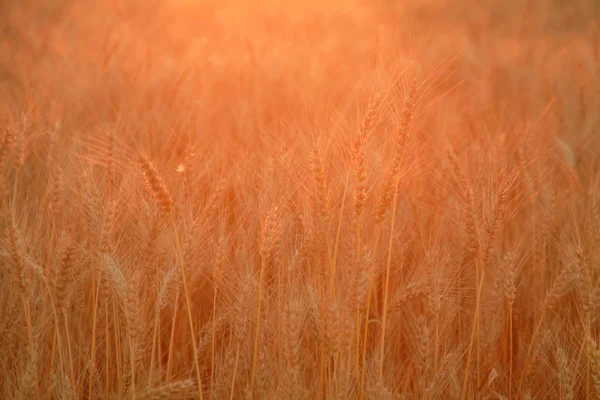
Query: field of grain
{"x": 270, "y": 199}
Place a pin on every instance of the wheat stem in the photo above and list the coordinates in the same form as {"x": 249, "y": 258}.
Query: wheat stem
{"x": 188, "y": 306}
{"x": 387, "y": 284}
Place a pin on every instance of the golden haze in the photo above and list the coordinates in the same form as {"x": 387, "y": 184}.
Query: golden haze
{"x": 299, "y": 199}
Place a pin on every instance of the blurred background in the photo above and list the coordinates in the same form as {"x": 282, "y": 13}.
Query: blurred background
{"x": 90, "y": 62}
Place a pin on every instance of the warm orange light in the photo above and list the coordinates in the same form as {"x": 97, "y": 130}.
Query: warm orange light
{"x": 272, "y": 199}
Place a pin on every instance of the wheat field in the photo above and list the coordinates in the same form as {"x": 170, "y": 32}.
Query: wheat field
{"x": 272, "y": 199}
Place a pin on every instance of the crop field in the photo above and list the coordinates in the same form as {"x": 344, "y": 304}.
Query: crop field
{"x": 279, "y": 199}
